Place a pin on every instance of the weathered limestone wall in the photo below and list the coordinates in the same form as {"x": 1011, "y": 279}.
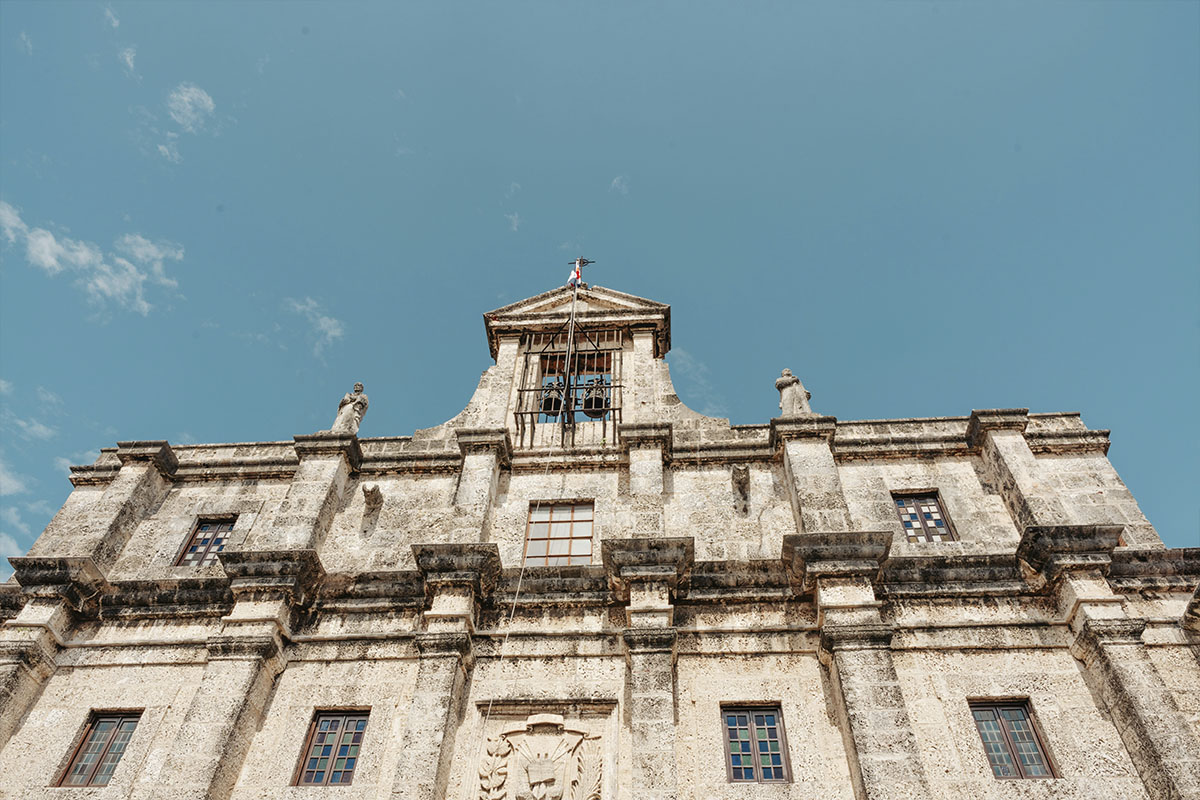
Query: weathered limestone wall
{"x": 1094, "y": 494}
{"x": 34, "y": 756}
{"x": 1085, "y": 747}
{"x": 702, "y": 502}
{"x": 794, "y": 681}
{"x": 379, "y": 677}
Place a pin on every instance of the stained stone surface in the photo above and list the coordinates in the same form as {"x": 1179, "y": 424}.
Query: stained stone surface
{"x": 732, "y": 566}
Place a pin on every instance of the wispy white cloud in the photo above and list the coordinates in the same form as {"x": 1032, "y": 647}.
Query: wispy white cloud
{"x": 63, "y": 463}
{"x": 400, "y": 95}
{"x": 26, "y": 43}
{"x": 11, "y": 482}
{"x": 620, "y": 184}
{"x": 40, "y": 507}
{"x": 512, "y": 189}
{"x": 261, "y": 64}
{"x": 696, "y": 380}
{"x": 28, "y": 428}
{"x": 111, "y": 16}
{"x": 514, "y": 221}
{"x": 570, "y": 247}
{"x": 190, "y": 107}
{"x": 325, "y": 329}
{"x": 8, "y": 549}
{"x": 170, "y": 148}
{"x": 10, "y": 518}
{"x": 126, "y": 56}
{"x": 106, "y": 278}
{"x": 48, "y": 400}
{"x": 5, "y": 387}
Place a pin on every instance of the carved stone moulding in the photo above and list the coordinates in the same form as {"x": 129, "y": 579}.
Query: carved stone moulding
{"x": 77, "y": 581}
{"x": 297, "y": 574}
{"x": 666, "y": 559}
{"x": 840, "y": 554}
{"x": 1054, "y": 549}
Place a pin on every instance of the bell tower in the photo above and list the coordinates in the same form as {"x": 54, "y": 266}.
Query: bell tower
{"x": 577, "y": 377}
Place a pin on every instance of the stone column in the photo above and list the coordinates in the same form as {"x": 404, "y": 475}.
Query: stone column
{"x": 649, "y": 448}
{"x": 307, "y": 511}
{"x": 999, "y": 435}
{"x": 1074, "y": 560}
{"x": 244, "y": 658}
{"x": 147, "y": 470}
{"x": 813, "y": 482}
{"x": 885, "y": 761}
{"x": 457, "y": 577}
{"x": 485, "y": 453}
{"x": 647, "y": 573}
{"x": 56, "y": 591}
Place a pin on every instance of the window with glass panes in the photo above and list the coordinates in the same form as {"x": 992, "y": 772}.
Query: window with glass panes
{"x": 206, "y": 541}
{"x": 1013, "y": 746}
{"x": 100, "y": 749}
{"x": 923, "y": 518}
{"x": 558, "y": 534}
{"x": 755, "y": 745}
{"x": 331, "y": 749}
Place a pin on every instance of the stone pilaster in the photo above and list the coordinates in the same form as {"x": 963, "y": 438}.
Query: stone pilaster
{"x": 306, "y": 512}
{"x": 649, "y": 449}
{"x": 999, "y": 435}
{"x": 244, "y": 658}
{"x": 147, "y": 470}
{"x": 1108, "y": 643}
{"x": 485, "y": 453}
{"x": 457, "y": 578}
{"x": 885, "y": 761}
{"x": 647, "y": 574}
{"x": 56, "y": 591}
{"x": 814, "y": 485}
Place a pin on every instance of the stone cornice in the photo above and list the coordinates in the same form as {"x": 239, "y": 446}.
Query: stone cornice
{"x": 443, "y": 644}
{"x": 646, "y": 434}
{"x": 1175, "y": 569}
{"x": 294, "y": 574}
{"x": 171, "y": 597}
{"x": 157, "y": 453}
{"x": 870, "y": 636}
{"x": 655, "y": 559}
{"x": 995, "y": 419}
{"x": 840, "y": 554}
{"x": 1055, "y": 549}
{"x": 650, "y": 640}
{"x": 234, "y": 647}
{"x": 816, "y": 427}
{"x": 76, "y": 581}
{"x": 486, "y": 440}
{"x": 473, "y": 564}
{"x": 951, "y": 575}
{"x": 325, "y": 444}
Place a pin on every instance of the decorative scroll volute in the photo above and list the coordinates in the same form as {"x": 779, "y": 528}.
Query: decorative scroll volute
{"x": 542, "y": 759}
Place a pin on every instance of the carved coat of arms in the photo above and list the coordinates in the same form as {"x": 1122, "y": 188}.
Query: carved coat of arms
{"x": 541, "y": 759}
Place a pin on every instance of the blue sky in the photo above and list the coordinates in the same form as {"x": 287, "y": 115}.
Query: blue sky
{"x": 218, "y": 216}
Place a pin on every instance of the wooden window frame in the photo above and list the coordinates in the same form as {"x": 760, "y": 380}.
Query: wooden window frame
{"x": 1022, "y": 703}
{"x": 225, "y": 519}
{"x": 925, "y": 532}
{"x": 94, "y": 719}
{"x": 305, "y": 751}
{"x": 543, "y": 559}
{"x": 750, "y": 709}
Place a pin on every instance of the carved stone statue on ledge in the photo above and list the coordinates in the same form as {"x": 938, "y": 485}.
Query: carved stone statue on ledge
{"x": 793, "y": 397}
{"x": 351, "y": 411}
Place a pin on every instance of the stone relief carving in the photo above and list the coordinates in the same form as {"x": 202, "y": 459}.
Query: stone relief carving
{"x": 793, "y": 397}
{"x": 351, "y": 411}
{"x": 542, "y": 759}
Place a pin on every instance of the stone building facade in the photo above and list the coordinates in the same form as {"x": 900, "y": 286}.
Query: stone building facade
{"x": 579, "y": 589}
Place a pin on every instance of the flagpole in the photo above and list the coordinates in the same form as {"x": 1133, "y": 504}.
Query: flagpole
{"x": 568, "y": 394}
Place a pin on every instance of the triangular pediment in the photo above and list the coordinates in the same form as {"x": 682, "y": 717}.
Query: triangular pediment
{"x": 595, "y": 305}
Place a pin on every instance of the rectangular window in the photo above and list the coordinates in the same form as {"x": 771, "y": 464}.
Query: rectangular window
{"x": 1013, "y": 746}
{"x": 923, "y": 518}
{"x": 207, "y": 539}
{"x": 330, "y": 752}
{"x": 99, "y": 750}
{"x": 755, "y": 745}
{"x": 558, "y": 534}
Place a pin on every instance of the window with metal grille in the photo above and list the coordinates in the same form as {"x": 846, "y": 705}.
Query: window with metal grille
{"x": 1011, "y": 740}
{"x": 923, "y": 517}
{"x": 755, "y": 745}
{"x": 207, "y": 539}
{"x": 558, "y": 534}
{"x": 330, "y": 753}
{"x": 99, "y": 750}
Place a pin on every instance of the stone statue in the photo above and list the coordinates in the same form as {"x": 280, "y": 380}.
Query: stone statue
{"x": 793, "y": 398}
{"x": 351, "y": 411}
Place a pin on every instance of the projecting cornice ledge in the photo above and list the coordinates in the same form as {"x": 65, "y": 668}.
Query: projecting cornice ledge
{"x": 295, "y": 574}
{"x": 653, "y": 559}
{"x": 157, "y": 453}
{"x": 326, "y": 444}
{"x": 486, "y": 440}
{"x": 841, "y": 554}
{"x": 1055, "y": 549}
{"x": 76, "y": 581}
{"x": 815, "y": 427}
{"x": 995, "y": 419}
{"x": 476, "y": 565}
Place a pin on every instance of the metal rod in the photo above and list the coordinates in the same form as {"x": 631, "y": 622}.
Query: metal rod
{"x": 567, "y": 394}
